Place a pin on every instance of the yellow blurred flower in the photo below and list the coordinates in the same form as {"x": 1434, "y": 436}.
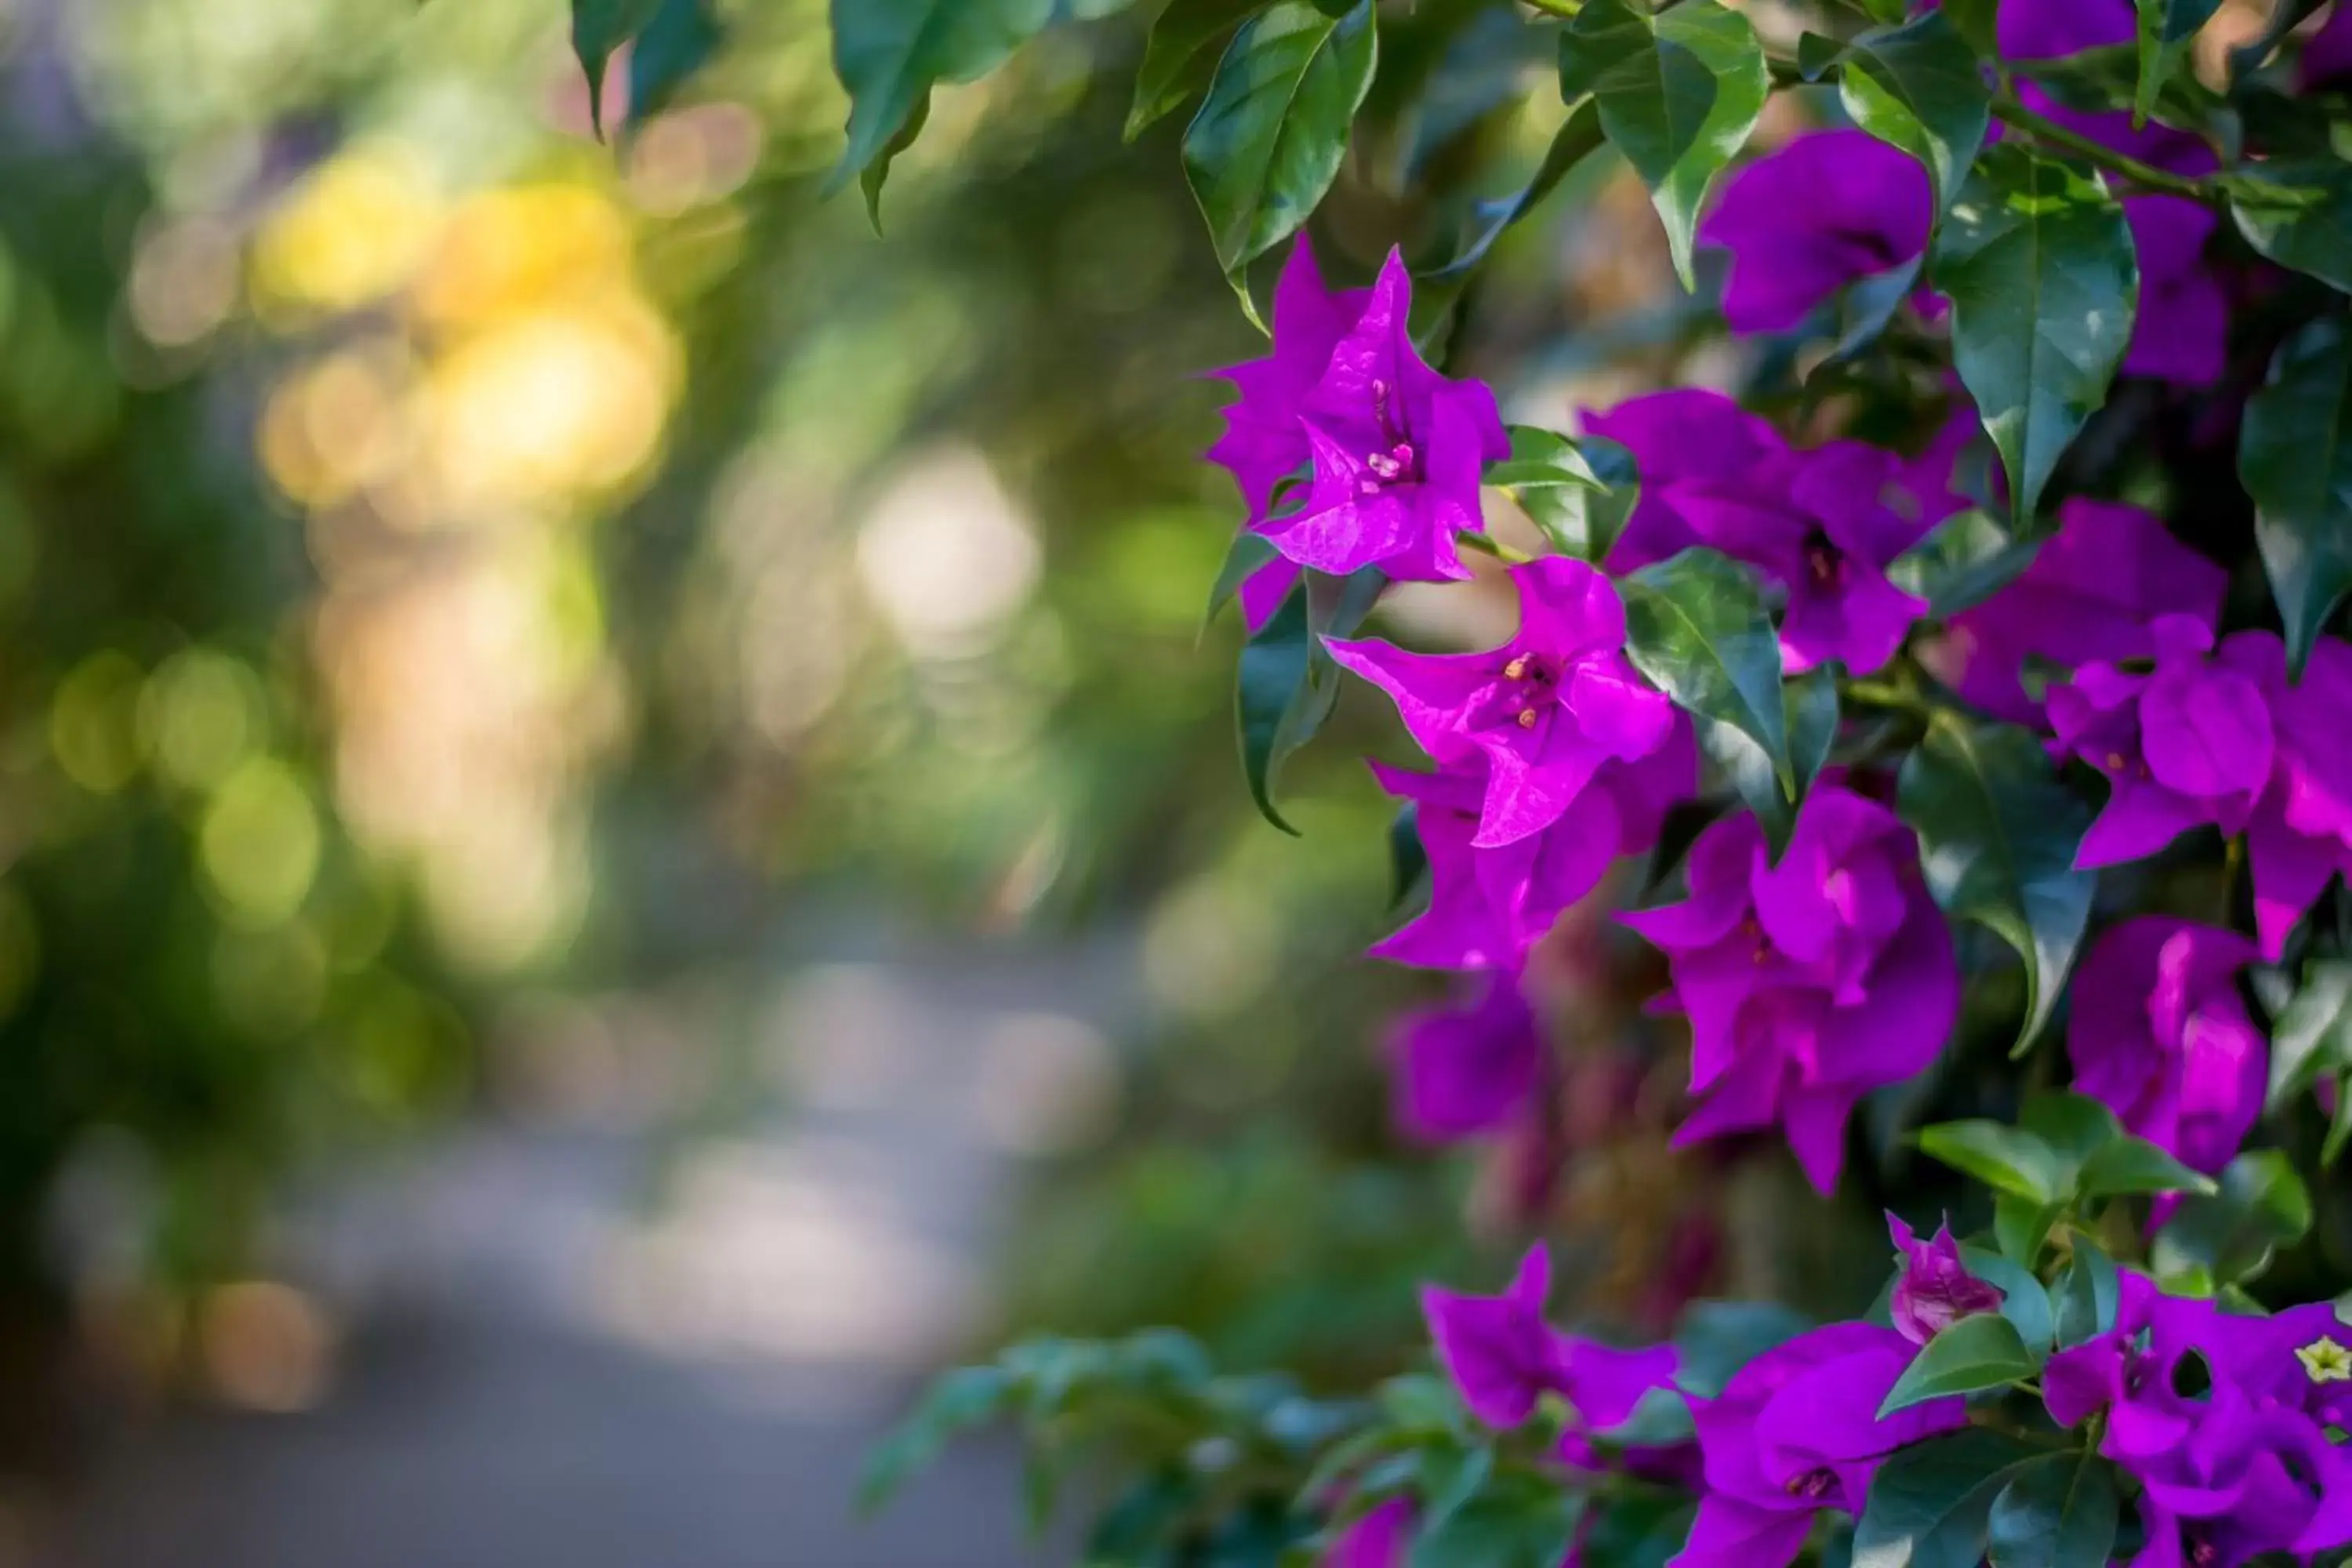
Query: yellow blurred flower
{"x": 353, "y": 233}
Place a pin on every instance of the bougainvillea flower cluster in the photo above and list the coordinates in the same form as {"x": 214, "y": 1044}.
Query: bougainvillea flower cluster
{"x": 1809, "y": 981}
{"x": 1822, "y": 524}
{"x": 2160, "y": 1034}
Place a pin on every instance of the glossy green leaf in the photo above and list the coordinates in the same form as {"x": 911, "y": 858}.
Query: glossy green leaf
{"x": 1547, "y": 476}
{"x": 1998, "y": 834}
{"x": 2088, "y": 1295}
{"x": 1974, "y": 20}
{"x": 2166, "y": 28}
{"x": 2312, "y": 1037}
{"x": 2061, "y": 1511}
{"x": 1930, "y": 1504}
{"x": 1810, "y": 707}
{"x": 1697, "y": 625}
{"x": 2022, "y": 1224}
{"x": 2231, "y": 1236}
{"x": 599, "y": 28}
{"x": 2314, "y": 237}
{"x": 1580, "y": 519}
{"x": 1249, "y": 554}
{"x": 961, "y": 1400}
{"x": 2005, "y": 1158}
{"x": 2075, "y": 1126}
{"x": 1577, "y": 138}
{"x": 2295, "y": 457}
{"x": 1408, "y": 859}
{"x": 1286, "y": 684}
{"x": 676, "y": 44}
{"x": 1270, "y": 136}
{"x": 1981, "y": 1351}
{"x": 1964, "y": 561}
{"x": 2023, "y": 1302}
{"x": 1920, "y": 88}
{"x": 1181, "y": 54}
{"x": 889, "y": 54}
{"x": 2038, "y": 263}
{"x": 1522, "y": 1527}
{"x": 1679, "y": 94}
{"x": 1716, "y": 1338}
{"x": 1449, "y": 1478}
{"x": 2134, "y": 1167}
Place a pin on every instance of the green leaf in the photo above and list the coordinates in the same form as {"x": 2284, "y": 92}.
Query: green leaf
{"x": 1930, "y": 1504}
{"x": 1550, "y": 479}
{"x": 2166, "y": 27}
{"x": 1974, "y": 20}
{"x": 1918, "y": 88}
{"x": 2294, "y": 457}
{"x": 1286, "y": 684}
{"x": 2312, "y": 1037}
{"x": 1577, "y": 138}
{"x": 1449, "y": 1478}
{"x": 1249, "y": 554}
{"x": 2075, "y": 1127}
{"x": 1636, "y": 1530}
{"x": 676, "y": 44}
{"x": 2061, "y": 1511}
{"x": 1181, "y": 54}
{"x": 2024, "y": 1302}
{"x": 1810, "y": 710}
{"x": 2231, "y": 1236}
{"x": 1679, "y": 93}
{"x": 1981, "y": 1351}
{"x": 2339, "y": 1126}
{"x": 1963, "y": 562}
{"x": 2134, "y": 1167}
{"x": 889, "y": 54}
{"x": 2315, "y": 236}
{"x": 1697, "y": 625}
{"x": 2022, "y": 1225}
{"x": 1529, "y": 1528}
{"x": 1998, "y": 834}
{"x": 961, "y": 1400}
{"x": 2038, "y": 263}
{"x": 1269, "y": 137}
{"x": 871, "y": 178}
{"x": 599, "y": 28}
{"x": 1408, "y": 859}
{"x": 2088, "y": 1295}
{"x": 2004, "y": 1158}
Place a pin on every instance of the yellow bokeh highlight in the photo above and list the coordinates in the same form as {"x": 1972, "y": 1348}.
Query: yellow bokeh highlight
{"x": 351, "y": 234}
{"x": 260, "y": 843}
{"x": 200, "y": 715}
{"x": 337, "y": 427}
{"x": 92, "y": 723}
{"x": 508, "y": 252}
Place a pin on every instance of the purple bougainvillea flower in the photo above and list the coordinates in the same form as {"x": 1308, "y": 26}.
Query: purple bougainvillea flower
{"x": 1683, "y": 439}
{"x": 2160, "y": 1035}
{"x": 1546, "y": 712}
{"x": 1265, "y": 441}
{"x": 2302, "y": 834}
{"x": 1796, "y": 1431}
{"x": 1829, "y": 208}
{"x": 2244, "y": 1466}
{"x": 2328, "y": 53}
{"x": 1398, "y": 451}
{"x": 1504, "y": 1357}
{"x": 2048, "y": 29}
{"x": 1465, "y": 1070}
{"x": 1488, "y": 906}
{"x": 1809, "y": 982}
{"x": 2090, "y": 596}
{"x": 1936, "y": 1288}
{"x": 1822, "y": 525}
{"x": 2191, "y": 742}
{"x": 1378, "y": 1539}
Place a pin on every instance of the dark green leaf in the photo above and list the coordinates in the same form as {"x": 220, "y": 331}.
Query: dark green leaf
{"x": 1142, "y": 1518}
{"x": 1965, "y": 559}
{"x": 1547, "y": 476}
{"x": 674, "y": 45}
{"x": 1920, "y": 88}
{"x": 1451, "y": 1478}
{"x": 1998, "y": 834}
{"x": 2038, "y": 263}
{"x": 1249, "y": 553}
{"x": 2004, "y": 1158}
{"x": 1418, "y": 1402}
{"x": 2166, "y": 27}
{"x": 1809, "y": 709}
{"x": 1930, "y": 1504}
{"x": 889, "y": 54}
{"x": 1577, "y": 138}
{"x": 1817, "y": 56}
{"x": 2022, "y": 1225}
{"x": 1525, "y": 1528}
{"x": 2312, "y": 1037}
{"x": 961, "y": 1400}
{"x": 2294, "y": 457}
{"x": 1679, "y": 94}
{"x": 2058, "y": 1512}
{"x": 1974, "y": 21}
{"x": 1181, "y": 53}
{"x": 1866, "y": 305}
{"x": 1636, "y": 1530}
{"x": 871, "y": 178}
{"x": 1580, "y": 520}
{"x": 1408, "y": 860}
{"x": 2339, "y": 1126}
{"x": 599, "y": 28}
{"x": 1269, "y": 137}
{"x": 1284, "y": 686}
{"x": 2262, "y": 1205}
{"x": 2134, "y": 1167}
{"x": 1981, "y": 1351}
{"x": 2088, "y": 1295}
{"x": 1697, "y": 625}
{"x": 2314, "y": 237}
{"x": 2024, "y": 1302}
{"x": 2075, "y": 1127}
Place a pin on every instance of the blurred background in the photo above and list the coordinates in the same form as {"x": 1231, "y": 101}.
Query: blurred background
{"x": 618, "y": 833}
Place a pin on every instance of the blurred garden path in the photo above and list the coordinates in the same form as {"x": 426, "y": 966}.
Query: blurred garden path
{"x": 560, "y": 1359}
